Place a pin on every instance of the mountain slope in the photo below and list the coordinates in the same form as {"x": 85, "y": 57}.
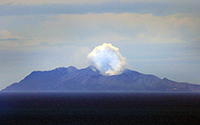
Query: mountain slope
{"x": 89, "y": 79}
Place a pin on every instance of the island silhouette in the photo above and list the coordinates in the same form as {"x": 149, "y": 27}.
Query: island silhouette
{"x": 90, "y": 79}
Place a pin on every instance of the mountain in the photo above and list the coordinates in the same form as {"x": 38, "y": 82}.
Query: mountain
{"x": 89, "y": 79}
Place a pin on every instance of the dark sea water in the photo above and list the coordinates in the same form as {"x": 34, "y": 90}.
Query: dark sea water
{"x": 100, "y": 108}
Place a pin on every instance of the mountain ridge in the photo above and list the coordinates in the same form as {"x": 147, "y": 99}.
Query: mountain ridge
{"x": 89, "y": 79}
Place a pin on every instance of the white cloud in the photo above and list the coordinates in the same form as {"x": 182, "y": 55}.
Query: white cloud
{"x": 107, "y": 59}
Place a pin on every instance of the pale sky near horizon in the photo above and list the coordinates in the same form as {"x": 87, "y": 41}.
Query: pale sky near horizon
{"x": 156, "y": 37}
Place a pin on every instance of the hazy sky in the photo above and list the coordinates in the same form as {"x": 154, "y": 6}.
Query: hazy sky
{"x": 156, "y": 37}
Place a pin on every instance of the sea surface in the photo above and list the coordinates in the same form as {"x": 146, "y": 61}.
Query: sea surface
{"x": 100, "y": 108}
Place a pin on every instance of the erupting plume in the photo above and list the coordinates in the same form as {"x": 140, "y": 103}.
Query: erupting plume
{"x": 107, "y": 59}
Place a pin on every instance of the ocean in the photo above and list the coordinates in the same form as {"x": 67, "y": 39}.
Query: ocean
{"x": 100, "y": 108}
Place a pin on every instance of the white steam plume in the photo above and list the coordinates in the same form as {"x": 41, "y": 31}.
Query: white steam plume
{"x": 107, "y": 59}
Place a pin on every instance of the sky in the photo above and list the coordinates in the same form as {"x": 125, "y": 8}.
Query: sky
{"x": 159, "y": 37}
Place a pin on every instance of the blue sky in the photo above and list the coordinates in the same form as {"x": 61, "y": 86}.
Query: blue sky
{"x": 156, "y": 37}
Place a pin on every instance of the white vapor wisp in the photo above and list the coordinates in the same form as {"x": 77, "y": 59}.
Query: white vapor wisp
{"x": 107, "y": 59}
